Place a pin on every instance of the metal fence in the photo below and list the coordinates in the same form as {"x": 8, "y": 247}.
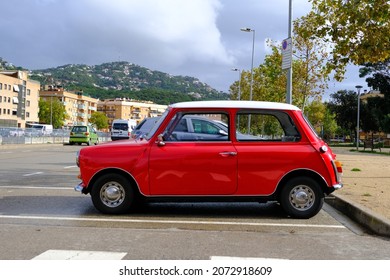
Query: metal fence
{"x": 9, "y": 135}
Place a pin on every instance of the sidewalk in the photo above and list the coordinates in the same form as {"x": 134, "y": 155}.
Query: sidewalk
{"x": 375, "y": 222}
{"x": 365, "y": 197}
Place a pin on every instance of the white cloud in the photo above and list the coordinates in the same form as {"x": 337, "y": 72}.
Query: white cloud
{"x": 169, "y": 31}
{"x": 199, "y": 38}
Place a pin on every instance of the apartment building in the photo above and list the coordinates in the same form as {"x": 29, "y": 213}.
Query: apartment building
{"x": 79, "y": 107}
{"x": 122, "y": 108}
{"x": 18, "y": 99}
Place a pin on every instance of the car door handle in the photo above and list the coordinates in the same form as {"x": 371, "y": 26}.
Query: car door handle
{"x": 228, "y": 154}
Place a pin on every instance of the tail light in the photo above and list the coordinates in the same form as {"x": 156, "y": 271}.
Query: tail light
{"x": 338, "y": 169}
{"x": 338, "y": 166}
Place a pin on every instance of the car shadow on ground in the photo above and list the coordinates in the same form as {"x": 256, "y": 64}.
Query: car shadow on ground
{"x": 249, "y": 210}
{"x": 82, "y": 206}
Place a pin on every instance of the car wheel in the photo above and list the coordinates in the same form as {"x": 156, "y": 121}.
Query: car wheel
{"x": 112, "y": 194}
{"x": 302, "y": 197}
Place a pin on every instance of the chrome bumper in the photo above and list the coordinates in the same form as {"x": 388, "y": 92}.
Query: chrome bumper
{"x": 337, "y": 186}
{"x": 79, "y": 188}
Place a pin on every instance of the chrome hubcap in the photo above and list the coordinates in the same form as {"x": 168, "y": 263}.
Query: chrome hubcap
{"x": 302, "y": 197}
{"x": 112, "y": 194}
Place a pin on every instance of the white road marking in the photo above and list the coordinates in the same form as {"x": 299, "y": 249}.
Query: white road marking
{"x": 32, "y": 174}
{"x": 36, "y": 188}
{"x": 79, "y": 255}
{"x": 185, "y": 222}
{"x": 70, "y": 166}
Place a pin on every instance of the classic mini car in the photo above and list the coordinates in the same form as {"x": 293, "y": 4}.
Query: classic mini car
{"x": 258, "y": 151}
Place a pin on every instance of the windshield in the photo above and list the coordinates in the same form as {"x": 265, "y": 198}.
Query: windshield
{"x": 156, "y": 125}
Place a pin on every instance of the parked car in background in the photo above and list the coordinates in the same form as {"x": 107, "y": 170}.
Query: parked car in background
{"x": 83, "y": 134}
{"x": 143, "y": 127}
{"x": 16, "y": 131}
{"x": 197, "y": 151}
{"x": 121, "y": 129}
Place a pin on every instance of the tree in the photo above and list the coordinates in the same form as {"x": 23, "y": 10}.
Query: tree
{"x": 372, "y": 114}
{"x": 52, "y": 111}
{"x": 378, "y": 79}
{"x": 310, "y": 77}
{"x": 321, "y": 118}
{"x": 99, "y": 119}
{"x": 357, "y": 31}
{"x": 343, "y": 105}
{"x": 269, "y": 80}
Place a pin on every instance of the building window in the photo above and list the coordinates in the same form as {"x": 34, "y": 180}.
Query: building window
{"x": 9, "y": 99}
{"x": 28, "y": 103}
{"x": 1, "y": 99}
{"x": 14, "y": 112}
{"x": 28, "y": 92}
{"x": 27, "y": 114}
{"x": 1, "y": 86}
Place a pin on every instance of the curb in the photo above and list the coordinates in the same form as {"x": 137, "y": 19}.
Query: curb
{"x": 376, "y": 223}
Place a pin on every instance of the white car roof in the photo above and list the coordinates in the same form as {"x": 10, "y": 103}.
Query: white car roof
{"x": 242, "y": 104}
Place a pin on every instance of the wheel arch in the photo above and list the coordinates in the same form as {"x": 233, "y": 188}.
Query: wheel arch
{"x": 301, "y": 173}
{"x": 121, "y": 172}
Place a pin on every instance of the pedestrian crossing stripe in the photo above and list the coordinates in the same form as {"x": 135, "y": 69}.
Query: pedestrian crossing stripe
{"x": 79, "y": 255}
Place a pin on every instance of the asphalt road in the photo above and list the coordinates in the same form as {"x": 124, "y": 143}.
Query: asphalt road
{"x": 40, "y": 213}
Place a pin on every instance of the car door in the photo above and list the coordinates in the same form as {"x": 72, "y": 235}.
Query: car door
{"x": 192, "y": 166}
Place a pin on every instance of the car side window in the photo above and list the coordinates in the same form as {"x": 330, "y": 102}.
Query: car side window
{"x": 198, "y": 127}
{"x": 266, "y": 126}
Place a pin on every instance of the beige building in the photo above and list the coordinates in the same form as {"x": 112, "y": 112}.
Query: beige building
{"x": 18, "y": 99}
{"x": 122, "y": 108}
{"x": 78, "y": 106}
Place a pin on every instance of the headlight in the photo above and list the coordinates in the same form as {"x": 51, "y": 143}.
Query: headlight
{"x": 77, "y": 158}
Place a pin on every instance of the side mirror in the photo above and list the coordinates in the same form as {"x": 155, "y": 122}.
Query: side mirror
{"x": 160, "y": 140}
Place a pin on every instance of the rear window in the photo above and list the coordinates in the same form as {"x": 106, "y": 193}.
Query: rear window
{"x": 266, "y": 126}
{"x": 120, "y": 126}
{"x": 79, "y": 129}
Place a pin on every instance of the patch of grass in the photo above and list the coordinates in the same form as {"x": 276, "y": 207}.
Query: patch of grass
{"x": 355, "y": 169}
{"x": 367, "y": 194}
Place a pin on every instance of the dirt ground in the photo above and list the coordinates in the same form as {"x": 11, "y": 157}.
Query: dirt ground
{"x": 366, "y": 179}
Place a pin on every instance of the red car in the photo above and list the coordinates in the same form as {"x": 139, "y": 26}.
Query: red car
{"x": 230, "y": 150}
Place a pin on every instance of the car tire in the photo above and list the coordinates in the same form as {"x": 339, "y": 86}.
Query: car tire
{"x": 112, "y": 194}
{"x": 302, "y": 197}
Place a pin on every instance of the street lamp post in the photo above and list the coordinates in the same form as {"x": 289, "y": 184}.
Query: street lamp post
{"x": 51, "y": 109}
{"x": 253, "y": 53}
{"x": 239, "y": 82}
{"x": 358, "y": 117}
{"x": 247, "y": 29}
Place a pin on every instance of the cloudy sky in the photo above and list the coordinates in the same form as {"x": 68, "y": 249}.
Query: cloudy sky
{"x": 199, "y": 38}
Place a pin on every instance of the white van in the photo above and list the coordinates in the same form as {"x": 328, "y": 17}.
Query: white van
{"x": 40, "y": 129}
{"x": 121, "y": 129}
